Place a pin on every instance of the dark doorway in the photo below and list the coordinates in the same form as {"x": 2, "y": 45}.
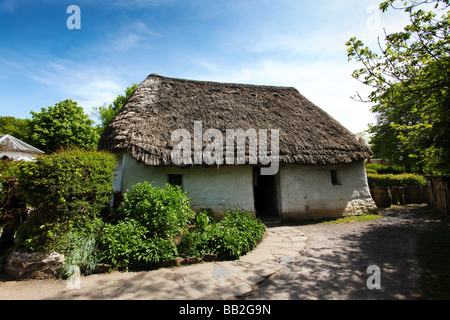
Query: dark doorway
{"x": 266, "y": 195}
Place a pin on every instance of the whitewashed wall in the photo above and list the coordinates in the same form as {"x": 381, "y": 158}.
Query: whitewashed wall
{"x": 226, "y": 187}
{"x": 307, "y": 191}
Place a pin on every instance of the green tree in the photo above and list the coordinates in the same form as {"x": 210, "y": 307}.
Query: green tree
{"x": 107, "y": 114}
{"x": 63, "y": 126}
{"x": 15, "y": 127}
{"x": 410, "y": 78}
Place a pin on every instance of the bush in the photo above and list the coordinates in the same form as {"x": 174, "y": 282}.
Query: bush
{"x": 66, "y": 190}
{"x": 81, "y": 247}
{"x": 371, "y": 171}
{"x": 12, "y": 204}
{"x": 8, "y": 171}
{"x": 383, "y": 169}
{"x": 118, "y": 243}
{"x": 164, "y": 212}
{"x": 390, "y": 180}
{"x": 235, "y": 235}
{"x": 84, "y": 253}
{"x": 196, "y": 243}
{"x": 127, "y": 245}
{"x": 238, "y": 233}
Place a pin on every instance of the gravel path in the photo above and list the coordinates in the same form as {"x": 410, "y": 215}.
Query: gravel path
{"x": 334, "y": 265}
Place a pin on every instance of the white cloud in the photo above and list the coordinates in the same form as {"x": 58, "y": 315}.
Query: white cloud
{"x": 325, "y": 83}
{"x": 90, "y": 87}
{"x": 136, "y": 35}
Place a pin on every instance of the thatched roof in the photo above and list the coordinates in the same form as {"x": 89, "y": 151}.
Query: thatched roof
{"x": 160, "y": 105}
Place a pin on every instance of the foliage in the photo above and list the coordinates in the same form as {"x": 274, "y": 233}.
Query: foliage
{"x": 128, "y": 244}
{"x": 410, "y": 78}
{"x": 84, "y": 253}
{"x": 63, "y": 126}
{"x": 107, "y": 114}
{"x": 8, "y": 171}
{"x": 165, "y": 212}
{"x": 18, "y": 128}
{"x": 235, "y": 235}
{"x": 80, "y": 247}
{"x": 371, "y": 171}
{"x": 66, "y": 190}
{"x": 383, "y": 169}
{"x": 395, "y": 180}
{"x": 119, "y": 242}
{"x": 238, "y": 233}
{"x": 196, "y": 243}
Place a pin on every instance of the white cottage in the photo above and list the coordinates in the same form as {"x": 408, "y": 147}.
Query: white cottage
{"x": 263, "y": 148}
{"x": 13, "y": 148}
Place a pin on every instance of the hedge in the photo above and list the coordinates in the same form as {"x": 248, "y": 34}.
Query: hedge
{"x": 389, "y": 180}
{"x": 66, "y": 190}
{"x": 383, "y": 169}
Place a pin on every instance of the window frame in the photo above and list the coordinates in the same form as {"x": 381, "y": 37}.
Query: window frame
{"x": 335, "y": 181}
{"x": 175, "y": 180}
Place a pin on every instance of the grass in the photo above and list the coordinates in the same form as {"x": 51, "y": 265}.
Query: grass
{"x": 433, "y": 254}
{"x": 351, "y": 219}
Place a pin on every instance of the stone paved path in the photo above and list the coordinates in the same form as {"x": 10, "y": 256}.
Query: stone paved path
{"x": 214, "y": 280}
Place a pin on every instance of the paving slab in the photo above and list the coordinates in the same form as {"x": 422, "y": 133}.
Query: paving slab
{"x": 211, "y": 280}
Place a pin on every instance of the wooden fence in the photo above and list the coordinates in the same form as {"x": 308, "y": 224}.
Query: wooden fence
{"x": 438, "y": 189}
{"x": 436, "y": 194}
{"x": 384, "y": 197}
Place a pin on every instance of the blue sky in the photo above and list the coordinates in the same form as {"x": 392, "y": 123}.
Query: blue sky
{"x": 272, "y": 42}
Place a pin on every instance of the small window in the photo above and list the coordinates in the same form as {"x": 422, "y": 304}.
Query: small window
{"x": 334, "y": 178}
{"x": 175, "y": 180}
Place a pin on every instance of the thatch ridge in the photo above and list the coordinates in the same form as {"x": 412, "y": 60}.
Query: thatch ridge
{"x": 160, "y": 105}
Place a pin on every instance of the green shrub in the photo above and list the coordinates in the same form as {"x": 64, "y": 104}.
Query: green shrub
{"x": 165, "y": 212}
{"x": 66, "y": 190}
{"x": 9, "y": 170}
{"x": 235, "y": 235}
{"x": 196, "y": 242}
{"x": 395, "y": 180}
{"x": 383, "y": 169}
{"x": 126, "y": 245}
{"x": 119, "y": 242}
{"x": 371, "y": 171}
{"x": 84, "y": 253}
{"x": 80, "y": 247}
